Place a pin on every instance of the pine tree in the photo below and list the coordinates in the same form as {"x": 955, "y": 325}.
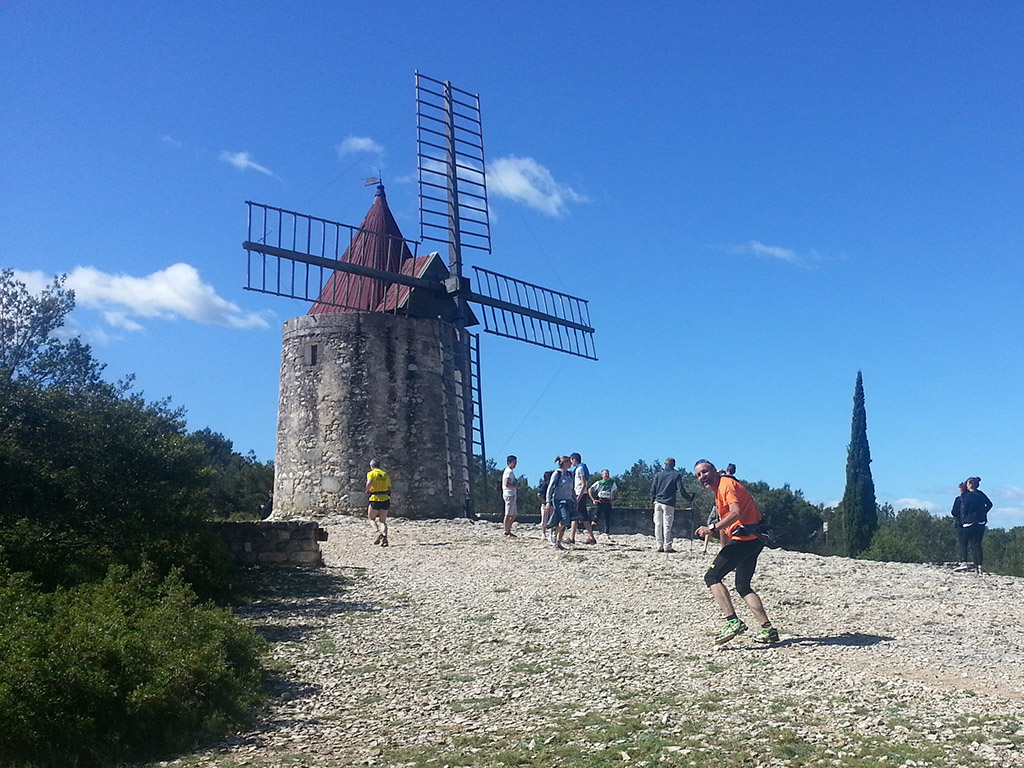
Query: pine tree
{"x": 857, "y": 511}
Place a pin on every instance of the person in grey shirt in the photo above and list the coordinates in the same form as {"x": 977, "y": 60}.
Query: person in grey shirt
{"x": 664, "y": 488}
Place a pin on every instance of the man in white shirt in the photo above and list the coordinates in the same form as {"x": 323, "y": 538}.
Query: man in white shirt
{"x": 581, "y": 479}
{"x": 509, "y": 492}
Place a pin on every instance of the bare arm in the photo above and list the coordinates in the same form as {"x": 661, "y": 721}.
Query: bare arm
{"x": 725, "y": 521}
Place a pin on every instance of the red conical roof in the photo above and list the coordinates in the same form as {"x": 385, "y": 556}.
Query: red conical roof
{"x": 378, "y": 243}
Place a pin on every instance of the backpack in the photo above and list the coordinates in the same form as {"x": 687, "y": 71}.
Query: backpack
{"x": 764, "y": 532}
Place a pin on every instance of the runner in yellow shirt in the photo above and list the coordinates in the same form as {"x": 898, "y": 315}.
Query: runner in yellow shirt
{"x": 378, "y": 485}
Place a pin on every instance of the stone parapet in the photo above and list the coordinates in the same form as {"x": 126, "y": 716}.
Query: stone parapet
{"x": 285, "y": 542}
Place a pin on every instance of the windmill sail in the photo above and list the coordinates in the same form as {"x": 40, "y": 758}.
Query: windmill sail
{"x": 520, "y": 310}
{"x": 450, "y": 157}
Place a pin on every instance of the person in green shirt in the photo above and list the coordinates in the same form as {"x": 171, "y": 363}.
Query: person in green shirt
{"x": 603, "y": 493}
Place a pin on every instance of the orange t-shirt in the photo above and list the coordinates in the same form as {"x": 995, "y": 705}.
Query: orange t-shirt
{"x": 731, "y": 492}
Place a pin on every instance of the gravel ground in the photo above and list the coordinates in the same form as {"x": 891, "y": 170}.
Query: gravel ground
{"x": 457, "y": 646}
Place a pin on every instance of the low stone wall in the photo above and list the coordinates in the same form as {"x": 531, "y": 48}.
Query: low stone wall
{"x": 286, "y": 542}
{"x": 626, "y": 522}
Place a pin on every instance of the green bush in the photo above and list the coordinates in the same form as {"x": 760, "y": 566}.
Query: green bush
{"x": 90, "y": 479}
{"x": 913, "y": 536}
{"x": 891, "y": 545}
{"x": 127, "y": 668}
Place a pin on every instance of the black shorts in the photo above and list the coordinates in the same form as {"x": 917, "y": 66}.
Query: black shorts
{"x": 385, "y": 505}
{"x": 739, "y": 556}
{"x": 580, "y": 509}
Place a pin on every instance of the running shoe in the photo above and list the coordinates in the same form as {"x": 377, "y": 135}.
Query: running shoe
{"x": 510, "y": 535}
{"x": 377, "y": 539}
{"x": 965, "y": 568}
{"x": 558, "y": 544}
{"x": 767, "y": 635}
{"x": 670, "y": 549}
{"x": 591, "y": 540}
{"x": 384, "y": 541}
{"x": 733, "y": 627}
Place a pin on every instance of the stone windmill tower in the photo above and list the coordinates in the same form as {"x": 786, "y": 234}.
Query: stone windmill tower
{"x": 384, "y": 365}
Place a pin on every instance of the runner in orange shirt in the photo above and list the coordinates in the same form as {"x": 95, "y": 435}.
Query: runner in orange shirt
{"x": 740, "y": 548}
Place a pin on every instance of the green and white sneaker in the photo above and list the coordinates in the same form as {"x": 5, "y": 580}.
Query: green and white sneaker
{"x": 733, "y": 627}
{"x": 767, "y": 635}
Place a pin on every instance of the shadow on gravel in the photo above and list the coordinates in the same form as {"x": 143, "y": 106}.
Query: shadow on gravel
{"x": 854, "y": 639}
{"x": 288, "y": 602}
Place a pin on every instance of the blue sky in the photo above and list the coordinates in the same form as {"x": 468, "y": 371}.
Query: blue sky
{"x": 758, "y": 200}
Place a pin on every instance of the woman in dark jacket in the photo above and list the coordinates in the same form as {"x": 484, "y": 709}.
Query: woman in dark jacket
{"x": 974, "y": 507}
{"x": 958, "y": 523}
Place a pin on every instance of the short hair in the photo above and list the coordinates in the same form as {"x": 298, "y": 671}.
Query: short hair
{"x": 374, "y": 463}
{"x": 698, "y": 462}
{"x": 510, "y": 459}
{"x": 670, "y": 462}
{"x": 575, "y": 457}
{"x": 730, "y": 468}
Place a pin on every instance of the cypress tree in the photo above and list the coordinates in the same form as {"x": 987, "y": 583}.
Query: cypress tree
{"x": 857, "y": 511}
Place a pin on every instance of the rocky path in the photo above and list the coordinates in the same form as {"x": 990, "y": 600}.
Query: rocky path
{"x": 457, "y": 646}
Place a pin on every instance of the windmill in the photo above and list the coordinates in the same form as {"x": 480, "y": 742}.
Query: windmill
{"x": 355, "y": 276}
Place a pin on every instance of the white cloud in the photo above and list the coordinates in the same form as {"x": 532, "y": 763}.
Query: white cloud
{"x": 121, "y": 320}
{"x": 756, "y": 248}
{"x": 35, "y": 282}
{"x": 525, "y": 180}
{"x": 776, "y": 252}
{"x": 1006, "y": 517}
{"x": 175, "y": 292}
{"x": 911, "y": 503}
{"x": 243, "y": 161}
{"x": 1009, "y": 493}
{"x": 354, "y": 144}
{"x": 169, "y": 141}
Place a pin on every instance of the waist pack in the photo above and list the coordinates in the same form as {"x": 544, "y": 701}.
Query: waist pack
{"x": 763, "y": 531}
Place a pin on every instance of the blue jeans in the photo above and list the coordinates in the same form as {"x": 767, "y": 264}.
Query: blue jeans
{"x": 562, "y": 514}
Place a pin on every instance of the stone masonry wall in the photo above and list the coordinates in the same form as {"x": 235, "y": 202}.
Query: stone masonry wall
{"x": 355, "y": 386}
{"x": 279, "y": 543}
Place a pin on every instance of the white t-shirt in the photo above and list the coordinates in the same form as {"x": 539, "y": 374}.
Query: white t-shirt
{"x": 579, "y": 476}
{"x": 508, "y": 477}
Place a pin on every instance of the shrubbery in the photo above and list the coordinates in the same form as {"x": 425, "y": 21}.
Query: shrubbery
{"x": 106, "y": 652}
{"x": 131, "y": 666}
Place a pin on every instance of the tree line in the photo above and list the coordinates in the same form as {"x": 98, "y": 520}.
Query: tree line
{"x": 857, "y": 527}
